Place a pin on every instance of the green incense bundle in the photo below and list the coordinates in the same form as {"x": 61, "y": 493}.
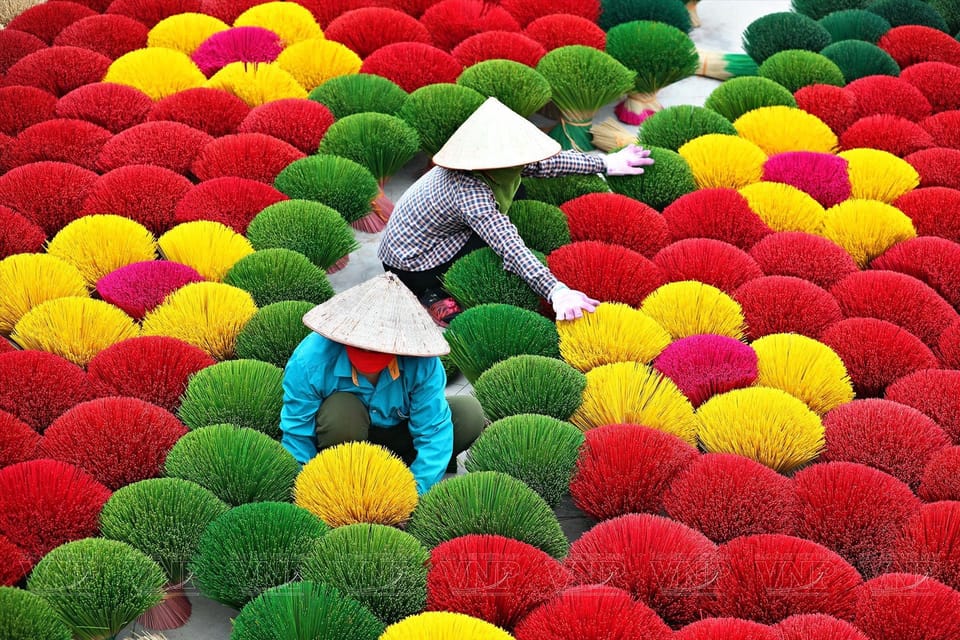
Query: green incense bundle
{"x": 582, "y": 80}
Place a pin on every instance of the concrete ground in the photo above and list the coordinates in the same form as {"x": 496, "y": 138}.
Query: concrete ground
{"x": 723, "y": 22}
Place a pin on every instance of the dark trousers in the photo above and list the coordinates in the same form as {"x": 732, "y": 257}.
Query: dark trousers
{"x": 343, "y": 418}
{"x": 422, "y": 281}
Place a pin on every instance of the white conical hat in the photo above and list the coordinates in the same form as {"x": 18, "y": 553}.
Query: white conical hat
{"x": 382, "y": 315}
{"x": 495, "y": 137}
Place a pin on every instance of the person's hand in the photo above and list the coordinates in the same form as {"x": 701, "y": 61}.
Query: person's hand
{"x": 570, "y": 304}
{"x": 629, "y": 161}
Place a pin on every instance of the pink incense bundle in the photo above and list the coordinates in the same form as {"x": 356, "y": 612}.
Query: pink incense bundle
{"x": 703, "y": 366}
{"x": 712, "y": 262}
{"x": 64, "y": 140}
{"x": 170, "y": 145}
{"x": 822, "y": 176}
{"x": 233, "y": 202}
{"x": 562, "y": 30}
{"x": 886, "y": 132}
{"x": 239, "y": 44}
{"x": 499, "y": 45}
{"x": 140, "y": 287}
{"x": 368, "y": 29}
{"x": 115, "y": 107}
{"x": 411, "y": 65}
{"x": 784, "y": 304}
{"x": 450, "y": 22}
{"x": 938, "y": 167}
{"x": 836, "y": 106}
{"x": 109, "y": 34}
{"x": 944, "y": 127}
{"x": 215, "y": 112}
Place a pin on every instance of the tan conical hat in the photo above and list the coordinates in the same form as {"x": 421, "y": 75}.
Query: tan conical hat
{"x": 382, "y": 315}
{"x": 495, "y": 137}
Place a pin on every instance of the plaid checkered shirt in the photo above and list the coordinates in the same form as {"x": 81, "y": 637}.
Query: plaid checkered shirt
{"x": 435, "y": 217}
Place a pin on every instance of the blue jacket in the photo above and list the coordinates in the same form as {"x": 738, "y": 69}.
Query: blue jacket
{"x": 319, "y": 367}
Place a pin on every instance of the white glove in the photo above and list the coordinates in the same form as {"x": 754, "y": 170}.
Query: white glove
{"x": 629, "y": 161}
{"x": 570, "y": 304}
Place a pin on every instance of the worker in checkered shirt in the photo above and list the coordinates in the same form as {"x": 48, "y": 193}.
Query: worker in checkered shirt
{"x": 461, "y": 205}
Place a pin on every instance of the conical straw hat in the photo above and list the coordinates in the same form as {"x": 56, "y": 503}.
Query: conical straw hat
{"x": 382, "y": 315}
{"x": 495, "y": 137}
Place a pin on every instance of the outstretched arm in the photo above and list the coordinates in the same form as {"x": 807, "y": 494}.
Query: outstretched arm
{"x": 628, "y": 161}
{"x": 480, "y": 211}
{"x": 565, "y": 163}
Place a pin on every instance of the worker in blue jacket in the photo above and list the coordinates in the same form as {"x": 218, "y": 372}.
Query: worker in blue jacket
{"x": 371, "y": 371}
